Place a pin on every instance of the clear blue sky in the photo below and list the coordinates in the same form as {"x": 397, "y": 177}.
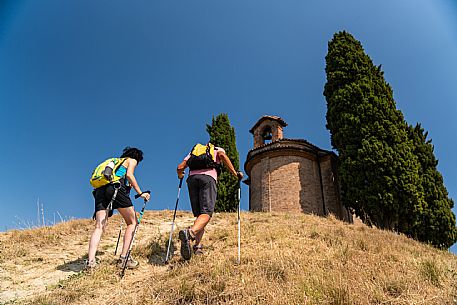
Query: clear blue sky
{"x": 80, "y": 80}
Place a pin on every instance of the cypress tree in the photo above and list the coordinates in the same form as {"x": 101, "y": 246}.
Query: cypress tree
{"x": 222, "y": 134}
{"x": 436, "y": 223}
{"x": 379, "y": 173}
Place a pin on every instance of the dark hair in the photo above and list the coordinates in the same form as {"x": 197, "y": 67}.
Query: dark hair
{"x": 132, "y": 152}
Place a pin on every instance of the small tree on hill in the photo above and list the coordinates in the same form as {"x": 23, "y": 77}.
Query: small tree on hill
{"x": 222, "y": 134}
{"x": 378, "y": 171}
{"x": 436, "y": 223}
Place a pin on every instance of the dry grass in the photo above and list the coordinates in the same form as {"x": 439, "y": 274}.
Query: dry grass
{"x": 286, "y": 259}
{"x": 21, "y": 243}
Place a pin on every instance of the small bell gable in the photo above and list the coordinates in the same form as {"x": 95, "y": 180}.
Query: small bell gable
{"x": 267, "y": 129}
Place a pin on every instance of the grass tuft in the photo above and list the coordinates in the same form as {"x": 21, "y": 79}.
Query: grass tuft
{"x": 431, "y": 272}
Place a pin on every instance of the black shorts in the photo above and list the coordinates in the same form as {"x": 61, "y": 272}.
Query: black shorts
{"x": 104, "y": 194}
{"x": 202, "y": 194}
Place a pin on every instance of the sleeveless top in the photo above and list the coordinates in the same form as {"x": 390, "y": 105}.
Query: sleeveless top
{"x": 121, "y": 171}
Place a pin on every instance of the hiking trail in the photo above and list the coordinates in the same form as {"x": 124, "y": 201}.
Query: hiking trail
{"x": 34, "y": 269}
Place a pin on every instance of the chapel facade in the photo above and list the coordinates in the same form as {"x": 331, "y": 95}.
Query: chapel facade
{"x": 291, "y": 175}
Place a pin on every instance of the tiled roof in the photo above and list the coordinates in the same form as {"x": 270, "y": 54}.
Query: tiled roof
{"x": 269, "y": 117}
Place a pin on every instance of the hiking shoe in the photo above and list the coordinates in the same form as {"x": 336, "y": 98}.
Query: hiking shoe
{"x": 185, "y": 237}
{"x": 89, "y": 265}
{"x": 131, "y": 263}
{"x": 198, "y": 250}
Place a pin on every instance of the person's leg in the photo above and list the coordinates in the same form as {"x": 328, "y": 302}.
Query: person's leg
{"x": 194, "y": 194}
{"x": 193, "y": 184}
{"x": 207, "y": 200}
{"x": 200, "y": 223}
{"x": 185, "y": 235}
{"x": 198, "y": 229}
{"x": 100, "y": 224}
{"x": 198, "y": 237}
{"x": 130, "y": 219}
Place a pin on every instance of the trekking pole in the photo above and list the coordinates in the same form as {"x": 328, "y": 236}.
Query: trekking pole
{"x": 239, "y": 219}
{"x": 134, "y": 232}
{"x": 118, "y": 237}
{"x": 173, "y": 222}
{"x": 239, "y": 225}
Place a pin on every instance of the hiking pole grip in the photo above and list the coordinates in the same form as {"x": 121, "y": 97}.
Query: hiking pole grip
{"x": 139, "y": 195}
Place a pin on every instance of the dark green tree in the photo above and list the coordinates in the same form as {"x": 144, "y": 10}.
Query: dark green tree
{"x": 222, "y": 134}
{"x": 436, "y": 223}
{"x": 379, "y": 173}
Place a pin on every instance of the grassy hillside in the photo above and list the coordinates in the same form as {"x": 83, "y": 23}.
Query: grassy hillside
{"x": 286, "y": 259}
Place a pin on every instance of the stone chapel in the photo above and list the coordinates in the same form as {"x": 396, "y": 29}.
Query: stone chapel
{"x": 291, "y": 175}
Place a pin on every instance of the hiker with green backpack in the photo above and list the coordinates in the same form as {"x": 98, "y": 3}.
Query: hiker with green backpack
{"x": 112, "y": 181}
{"x": 204, "y": 162}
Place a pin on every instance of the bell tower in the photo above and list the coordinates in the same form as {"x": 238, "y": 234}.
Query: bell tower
{"x": 268, "y": 129}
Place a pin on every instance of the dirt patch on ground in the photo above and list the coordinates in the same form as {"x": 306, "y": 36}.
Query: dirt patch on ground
{"x": 33, "y": 269}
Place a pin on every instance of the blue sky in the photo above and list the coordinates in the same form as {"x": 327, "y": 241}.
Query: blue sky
{"x": 80, "y": 80}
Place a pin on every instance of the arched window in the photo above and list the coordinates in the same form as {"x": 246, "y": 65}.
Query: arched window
{"x": 267, "y": 135}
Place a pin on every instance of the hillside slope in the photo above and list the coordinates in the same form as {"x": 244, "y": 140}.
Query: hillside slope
{"x": 286, "y": 259}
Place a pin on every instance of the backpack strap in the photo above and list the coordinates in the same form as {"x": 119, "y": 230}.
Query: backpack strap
{"x": 109, "y": 208}
{"x": 116, "y": 186}
{"x": 193, "y": 147}
{"x": 208, "y": 151}
{"x": 119, "y": 165}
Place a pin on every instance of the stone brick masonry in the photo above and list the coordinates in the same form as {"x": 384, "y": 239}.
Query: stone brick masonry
{"x": 291, "y": 175}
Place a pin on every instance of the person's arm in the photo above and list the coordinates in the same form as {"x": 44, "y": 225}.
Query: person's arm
{"x": 181, "y": 169}
{"x": 132, "y": 163}
{"x": 223, "y": 157}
